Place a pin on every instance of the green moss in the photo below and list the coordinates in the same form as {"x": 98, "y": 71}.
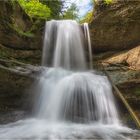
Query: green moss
{"x": 4, "y": 53}
{"x": 20, "y": 32}
{"x": 103, "y": 2}
{"x": 29, "y": 57}
{"x": 13, "y": 3}
{"x": 108, "y": 1}
{"x": 27, "y": 34}
{"x": 137, "y": 91}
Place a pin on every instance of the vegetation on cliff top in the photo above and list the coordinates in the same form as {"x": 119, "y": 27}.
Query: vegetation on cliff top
{"x": 71, "y": 12}
{"x": 103, "y": 1}
{"x": 87, "y": 18}
{"x": 46, "y": 10}
{"x": 35, "y": 9}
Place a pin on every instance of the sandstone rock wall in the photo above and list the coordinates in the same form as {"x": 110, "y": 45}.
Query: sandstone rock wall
{"x": 116, "y": 26}
{"x": 130, "y": 58}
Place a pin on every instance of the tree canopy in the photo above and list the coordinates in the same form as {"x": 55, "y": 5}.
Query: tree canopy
{"x": 87, "y": 18}
{"x": 49, "y": 9}
{"x": 71, "y": 12}
{"x": 56, "y": 7}
{"x": 35, "y": 9}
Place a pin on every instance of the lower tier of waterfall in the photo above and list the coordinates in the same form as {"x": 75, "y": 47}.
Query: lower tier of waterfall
{"x": 72, "y": 105}
{"x": 82, "y": 97}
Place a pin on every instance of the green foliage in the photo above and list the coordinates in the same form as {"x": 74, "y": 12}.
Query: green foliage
{"x": 55, "y": 6}
{"x": 71, "y": 12}
{"x": 88, "y": 17}
{"x": 35, "y": 9}
{"x": 108, "y": 1}
{"x": 49, "y": 9}
{"x": 103, "y": 1}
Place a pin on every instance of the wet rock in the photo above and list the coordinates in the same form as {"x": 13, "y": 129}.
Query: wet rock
{"x": 131, "y": 92}
{"x": 15, "y": 96}
{"x": 12, "y": 116}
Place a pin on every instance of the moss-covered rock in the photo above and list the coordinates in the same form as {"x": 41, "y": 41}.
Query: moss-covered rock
{"x": 26, "y": 56}
{"x": 20, "y": 39}
{"x": 16, "y": 29}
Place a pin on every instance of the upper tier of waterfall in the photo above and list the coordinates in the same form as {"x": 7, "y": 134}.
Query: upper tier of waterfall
{"x": 64, "y": 45}
{"x": 76, "y": 96}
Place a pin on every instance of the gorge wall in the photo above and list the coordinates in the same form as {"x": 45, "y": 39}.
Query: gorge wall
{"x": 20, "y": 37}
{"x": 115, "y": 37}
{"x": 19, "y": 40}
{"x": 116, "y": 26}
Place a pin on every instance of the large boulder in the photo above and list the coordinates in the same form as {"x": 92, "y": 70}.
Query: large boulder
{"x": 116, "y": 26}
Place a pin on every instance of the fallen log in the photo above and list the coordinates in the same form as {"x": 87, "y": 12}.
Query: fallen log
{"x": 124, "y": 101}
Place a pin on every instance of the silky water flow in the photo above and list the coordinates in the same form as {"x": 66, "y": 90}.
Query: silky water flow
{"x": 74, "y": 102}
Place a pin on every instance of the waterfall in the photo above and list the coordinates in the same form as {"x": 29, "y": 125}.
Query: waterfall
{"x": 64, "y": 41}
{"x": 74, "y": 96}
{"x": 73, "y": 101}
{"x": 87, "y": 36}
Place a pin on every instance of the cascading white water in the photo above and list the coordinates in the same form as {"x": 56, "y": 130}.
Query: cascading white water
{"x": 64, "y": 40}
{"x": 87, "y": 36}
{"x": 73, "y": 103}
{"x": 73, "y": 96}
{"x": 76, "y": 97}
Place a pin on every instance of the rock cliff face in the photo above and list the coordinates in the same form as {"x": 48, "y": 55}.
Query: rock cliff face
{"x": 16, "y": 27}
{"x": 15, "y": 96}
{"x": 116, "y": 26}
{"x": 18, "y": 40}
{"x": 129, "y": 58}
{"x": 115, "y": 37}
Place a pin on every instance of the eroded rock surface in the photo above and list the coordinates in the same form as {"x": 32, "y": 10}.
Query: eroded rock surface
{"x": 116, "y": 26}
{"x": 16, "y": 28}
{"x": 130, "y": 58}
